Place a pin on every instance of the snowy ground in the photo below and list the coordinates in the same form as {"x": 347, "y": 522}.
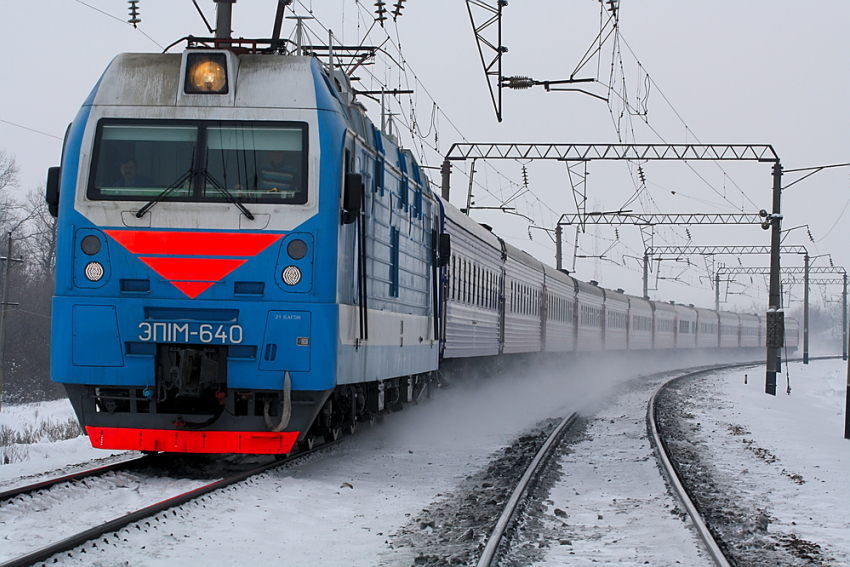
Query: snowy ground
{"x": 347, "y": 506}
{"x": 778, "y": 466}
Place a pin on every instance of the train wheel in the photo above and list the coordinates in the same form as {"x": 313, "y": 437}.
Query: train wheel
{"x": 332, "y": 434}
{"x": 307, "y": 443}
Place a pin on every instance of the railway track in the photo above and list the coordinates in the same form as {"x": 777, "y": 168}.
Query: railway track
{"x": 77, "y": 476}
{"x": 671, "y": 473}
{"x": 488, "y": 555}
{"x": 497, "y": 543}
{"x": 69, "y": 543}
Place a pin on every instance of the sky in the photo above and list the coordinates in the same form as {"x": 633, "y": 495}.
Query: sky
{"x": 721, "y": 72}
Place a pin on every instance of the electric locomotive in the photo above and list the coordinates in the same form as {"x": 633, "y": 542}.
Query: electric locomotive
{"x": 218, "y": 288}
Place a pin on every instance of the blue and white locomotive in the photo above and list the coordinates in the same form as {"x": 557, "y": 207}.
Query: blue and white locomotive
{"x": 217, "y": 288}
{"x": 246, "y": 263}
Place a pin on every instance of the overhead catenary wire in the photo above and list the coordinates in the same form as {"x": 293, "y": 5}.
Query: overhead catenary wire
{"x": 120, "y": 20}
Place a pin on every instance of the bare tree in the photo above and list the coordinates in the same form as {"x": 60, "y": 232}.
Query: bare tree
{"x": 39, "y": 235}
{"x": 8, "y": 179}
{"x": 27, "y": 359}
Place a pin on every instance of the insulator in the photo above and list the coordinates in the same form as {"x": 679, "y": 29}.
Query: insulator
{"x": 641, "y": 175}
{"x": 134, "y": 13}
{"x": 518, "y": 83}
{"x": 812, "y": 238}
{"x": 831, "y": 265}
{"x": 381, "y": 11}
{"x": 616, "y": 234}
{"x": 397, "y": 8}
{"x": 688, "y": 232}
{"x": 524, "y": 176}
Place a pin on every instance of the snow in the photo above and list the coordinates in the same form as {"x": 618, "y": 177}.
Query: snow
{"x": 43, "y": 457}
{"x": 787, "y": 452}
{"x": 343, "y": 506}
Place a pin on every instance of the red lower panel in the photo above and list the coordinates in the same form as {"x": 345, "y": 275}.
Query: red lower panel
{"x": 256, "y": 442}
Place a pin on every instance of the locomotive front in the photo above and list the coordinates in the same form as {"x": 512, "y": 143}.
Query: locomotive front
{"x": 199, "y": 208}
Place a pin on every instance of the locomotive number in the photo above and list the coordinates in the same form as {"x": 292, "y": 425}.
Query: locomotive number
{"x": 186, "y": 332}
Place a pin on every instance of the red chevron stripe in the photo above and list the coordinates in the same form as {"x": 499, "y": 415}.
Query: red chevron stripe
{"x": 192, "y": 269}
{"x": 193, "y": 289}
{"x": 194, "y": 243}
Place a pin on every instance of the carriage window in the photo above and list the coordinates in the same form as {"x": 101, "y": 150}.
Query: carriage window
{"x": 199, "y": 161}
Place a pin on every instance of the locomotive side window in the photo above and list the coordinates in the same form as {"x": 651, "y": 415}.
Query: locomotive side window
{"x": 199, "y": 161}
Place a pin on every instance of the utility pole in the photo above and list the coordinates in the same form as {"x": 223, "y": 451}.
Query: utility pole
{"x": 806, "y": 313}
{"x": 775, "y": 320}
{"x": 4, "y": 305}
{"x": 844, "y": 317}
{"x": 559, "y": 261}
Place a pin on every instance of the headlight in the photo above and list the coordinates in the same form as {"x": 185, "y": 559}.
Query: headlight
{"x": 91, "y": 245}
{"x": 291, "y": 275}
{"x": 206, "y": 73}
{"x": 296, "y": 249}
{"x": 94, "y": 271}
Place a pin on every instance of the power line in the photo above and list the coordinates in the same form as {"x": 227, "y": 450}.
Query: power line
{"x": 30, "y": 129}
{"x": 120, "y": 20}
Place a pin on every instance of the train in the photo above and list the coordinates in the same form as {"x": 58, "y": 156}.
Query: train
{"x": 247, "y": 264}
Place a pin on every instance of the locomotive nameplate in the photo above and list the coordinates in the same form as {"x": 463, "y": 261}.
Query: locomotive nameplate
{"x": 204, "y": 333}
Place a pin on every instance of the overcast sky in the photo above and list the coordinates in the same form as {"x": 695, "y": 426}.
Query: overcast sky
{"x": 721, "y": 72}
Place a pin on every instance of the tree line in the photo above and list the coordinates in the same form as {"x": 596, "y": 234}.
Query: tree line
{"x": 31, "y": 282}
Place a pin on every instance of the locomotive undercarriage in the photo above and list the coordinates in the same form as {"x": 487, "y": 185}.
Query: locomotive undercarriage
{"x": 363, "y": 403}
{"x": 190, "y": 393}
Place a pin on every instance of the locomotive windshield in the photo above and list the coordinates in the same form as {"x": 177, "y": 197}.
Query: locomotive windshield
{"x": 254, "y": 162}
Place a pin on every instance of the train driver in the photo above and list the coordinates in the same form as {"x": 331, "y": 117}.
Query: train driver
{"x": 130, "y": 176}
{"x": 278, "y": 175}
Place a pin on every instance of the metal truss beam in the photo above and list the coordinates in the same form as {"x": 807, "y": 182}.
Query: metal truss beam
{"x": 719, "y": 250}
{"x": 642, "y": 152}
{"x": 618, "y": 218}
{"x": 814, "y": 281}
{"x": 743, "y": 270}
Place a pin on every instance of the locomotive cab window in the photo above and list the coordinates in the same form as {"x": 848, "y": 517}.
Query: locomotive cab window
{"x": 250, "y": 162}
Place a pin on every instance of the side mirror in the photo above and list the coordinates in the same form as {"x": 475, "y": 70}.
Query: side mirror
{"x": 352, "y": 198}
{"x": 51, "y": 192}
{"x": 445, "y": 249}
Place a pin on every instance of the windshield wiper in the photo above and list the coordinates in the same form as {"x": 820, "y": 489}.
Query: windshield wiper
{"x": 218, "y": 186}
{"x": 166, "y": 192}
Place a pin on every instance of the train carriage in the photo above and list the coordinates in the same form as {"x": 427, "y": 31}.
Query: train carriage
{"x": 640, "y": 323}
{"x": 664, "y": 325}
{"x": 616, "y": 320}
{"x": 686, "y": 326}
{"x": 590, "y": 301}
{"x": 474, "y": 279}
{"x": 523, "y": 290}
{"x": 560, "y": 332}
{"x": 792, "y": 334}
{"x": 729, "y": 329}
{"x": 749, "y": 331}
{"x": 707, "y": 328}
